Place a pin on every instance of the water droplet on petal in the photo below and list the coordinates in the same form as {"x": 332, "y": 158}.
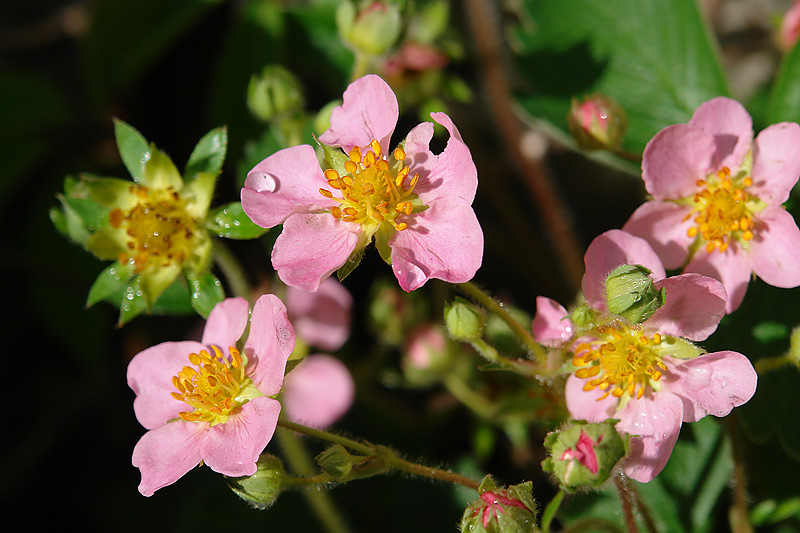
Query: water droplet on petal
{"x": 263, "y": 182}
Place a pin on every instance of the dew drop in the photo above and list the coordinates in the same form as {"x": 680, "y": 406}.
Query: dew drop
{"x": 263, "y": 182}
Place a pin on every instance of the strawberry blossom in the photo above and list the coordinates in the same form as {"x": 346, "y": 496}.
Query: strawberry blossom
{"x": 649, "y": 376}
{"x": 417, "y": 205}
{"x": 716, "y": 198}
{"x": 208, "y": 402}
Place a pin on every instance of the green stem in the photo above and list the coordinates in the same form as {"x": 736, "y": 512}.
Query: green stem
{"x": 522, "y": 333}
{"x": 389, "y": 457}
{"x": 474, "y": 401}
{"x": 296, "y": 455}
{"x": 551, "y": 510}
{"x": 768, "y": 364}
{"x": 232, "y": 269}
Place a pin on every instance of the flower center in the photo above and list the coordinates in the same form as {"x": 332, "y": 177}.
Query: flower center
{"x": 212, "y": 387}
{"x": 373, "y": 191}
{"x": 620, "y": 362}
{"x": 720, "y": 211}
{"x": 159, "y": 231}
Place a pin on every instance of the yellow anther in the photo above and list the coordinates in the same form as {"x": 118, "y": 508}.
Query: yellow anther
{"x": 376, "y": 147}
{"x": 401, "y": 226}
{"x": 399, "y": 154}
{"x": 369, "y": 159}
{"x": 326, "y": 193}
{"x": 350, "y": 167}
{"x": 355, "y": 155}
{"x": 331, "y": 175}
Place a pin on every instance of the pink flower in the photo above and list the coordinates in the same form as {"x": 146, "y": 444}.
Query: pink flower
{"x": 584, "y": 452}
{"x": 318, "y": 391}
{"x": 321, "y": 318}
{"x": 415, "y": 204}
{"x": 790, "y": 27}
{"x": 649, "y": 376}
{"x": 201, "y": 404}
{"x": 717, "y": 195}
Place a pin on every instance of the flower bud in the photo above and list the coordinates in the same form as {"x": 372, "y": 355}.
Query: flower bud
{"x": 597, "y": 122}
{"x": 631, "y": 294}
{"x": 372, "y": 29}
{"x": 273, "y": 93}
{"x": 393, "y": 312}
{"x": 506, "y": 510}
{"x": 426, "y": 356}
{"x": 464, "y": 322}
{"x": 582, "y": 455}
{"x": 262, "y": 488}
{"x": 582, "y": 316}
{"x": 336, "y": 461}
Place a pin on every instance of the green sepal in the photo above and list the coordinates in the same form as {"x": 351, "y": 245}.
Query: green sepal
{"x": 382, "y": 236}
{"x": 209, "y": 154}
{"x": 351, "y": 263}
{"x": 110, "y": 192}
{"x": 104, "y": 245}
{"x": 334, "y": 158}
{"x": 69, "y": 222}
{"x": 231, "y": 222}
{"x": 133, "y": 302}
{"x": 154, "y": 283}
{"x": 110, "y": 282}
{"x": 133, "y": 148}
{"x": 206, "y": 291}
{"x": 92, "y": 214}
{"x": 175, "y": 300}
{"x": 199, "y": 191}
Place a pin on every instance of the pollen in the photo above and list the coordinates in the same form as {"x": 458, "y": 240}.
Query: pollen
{"x": 211, "y": 386}
{"x": 376, "y": 189}
{"x": 720, "y": 212}
{"x": 158, "y": 230}
{"x": 620, "y": 362}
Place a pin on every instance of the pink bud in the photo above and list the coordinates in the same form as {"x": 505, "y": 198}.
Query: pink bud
{"x": 318, "y": 391}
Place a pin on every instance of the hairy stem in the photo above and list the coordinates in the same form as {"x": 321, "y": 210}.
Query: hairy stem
{"x": 522, "y": 333}
{"x": 389, "y": 458}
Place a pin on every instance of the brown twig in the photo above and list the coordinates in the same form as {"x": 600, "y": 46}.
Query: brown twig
{"x": 488, "y": 44}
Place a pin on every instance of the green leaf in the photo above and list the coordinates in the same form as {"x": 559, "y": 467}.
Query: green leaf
{"x": 206, "y": 291}
{"x": 209, "y": 154}
{"x": 133, "y": 148}
{"x": 783, "y": 102}
{"x": 91, "y": 214}
{"x": 655, "y": 58}
{"x": 110, "y": 282}
{"x": 231, "y": 222}
{"x": 133, "y": 302}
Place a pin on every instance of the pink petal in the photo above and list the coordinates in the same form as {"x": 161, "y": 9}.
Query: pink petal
{"x": 608, "y": 251}
{"x": 451, "y": 173}
{"x": 444, "y": 242}
{"x": 551, "y": 325}
{"x": 694, "y": 306}
{"x": 584, "y": 405}
{"x": 731, "y": 267}
{"x": 226, "y": 323}
{"x": 674, "y": 159}
{"x": 662, "y": 225}
{"x": 318, "y": 391}
{"x": 321, "y": 318}
{"x": 731, "y": 126}
{"x": 233, "y": 448}
{"x": 286, "y": 182}
{"x": 369, "y": 112}
{"x": 776, "y": 162}
{"x": 775, "y": 249}
{"x": 712, "y": 384}
{"x": 163, "y": 455}
{"x": 311, "y": 247}
{"x": 656, "y": 420}
{"x": 269, "y": 345}
{"x": 150, "y": 375}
